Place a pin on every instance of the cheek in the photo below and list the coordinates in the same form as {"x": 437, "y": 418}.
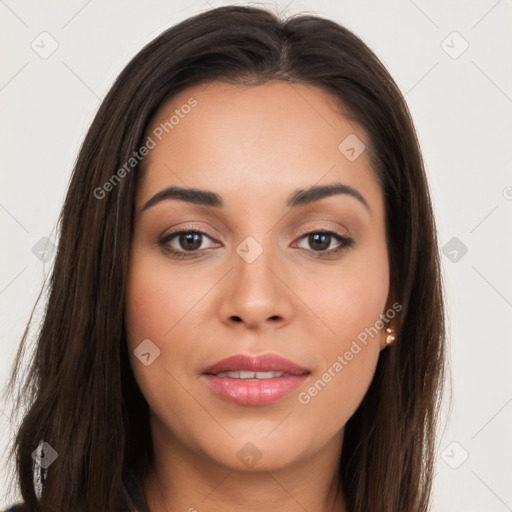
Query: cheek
{"x": 349, "y": 298}
{"x": 148, "y": 301}
{"x": 158, "y": 298}
{"x": 351, "y": 305}
{"x": 336, "y": 392}
{"x": 151, "y": 311}
{"x": 163, "y": 304}
{"x": 348, "y": 363}
{"x": 155, "y": 303}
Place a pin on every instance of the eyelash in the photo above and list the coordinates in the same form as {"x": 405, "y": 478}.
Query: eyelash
{"x": 344, "y": 241}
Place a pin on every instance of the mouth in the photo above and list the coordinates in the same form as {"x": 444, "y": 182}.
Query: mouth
{"x": 250, "y": 380}
{"x": 244, "y": 374}
{"x": 259, "y": 367}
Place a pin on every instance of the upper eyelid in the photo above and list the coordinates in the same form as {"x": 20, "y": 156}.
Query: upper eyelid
{"x": 341, "y": 230}
{"x": 186, "y": 230}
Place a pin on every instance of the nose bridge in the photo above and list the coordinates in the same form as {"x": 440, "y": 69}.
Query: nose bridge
{"x": 255, "y": 292}
{"x": 254, "y": 280}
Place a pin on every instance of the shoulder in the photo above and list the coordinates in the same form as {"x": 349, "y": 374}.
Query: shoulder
{"x": 15, "y": 508}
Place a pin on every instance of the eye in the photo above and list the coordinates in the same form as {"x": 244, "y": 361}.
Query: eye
{"x": 179, "y": 243}
{"x": 325, "y": 242}
{"x": 187, "y": 243}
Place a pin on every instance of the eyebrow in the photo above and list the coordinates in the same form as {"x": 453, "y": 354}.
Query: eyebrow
{"x": 300, "y": 197}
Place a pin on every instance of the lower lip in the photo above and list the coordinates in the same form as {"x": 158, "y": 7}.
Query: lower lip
{"x": 254, "y": 391}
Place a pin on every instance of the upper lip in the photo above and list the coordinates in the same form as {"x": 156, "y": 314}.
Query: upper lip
{"x": 261, "y": 363}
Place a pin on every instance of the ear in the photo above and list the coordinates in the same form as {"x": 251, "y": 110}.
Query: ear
{"x": 391, "y": 320}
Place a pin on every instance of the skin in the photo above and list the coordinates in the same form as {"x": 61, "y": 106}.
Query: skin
{"x": 254, "y": 146}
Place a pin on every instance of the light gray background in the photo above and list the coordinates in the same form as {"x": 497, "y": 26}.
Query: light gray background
{"x": 462, "y": 110}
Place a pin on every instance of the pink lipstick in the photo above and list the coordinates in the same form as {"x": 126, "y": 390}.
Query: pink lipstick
{"x": 254, "y": 380}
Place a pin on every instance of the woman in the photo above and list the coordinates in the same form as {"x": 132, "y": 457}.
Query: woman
{"x": 246, "y": 308}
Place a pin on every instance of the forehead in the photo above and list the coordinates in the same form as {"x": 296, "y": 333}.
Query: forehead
{"x": 255, "y": 141}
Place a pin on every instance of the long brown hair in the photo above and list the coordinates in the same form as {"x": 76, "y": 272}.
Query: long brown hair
{"x": 79, "y": 394}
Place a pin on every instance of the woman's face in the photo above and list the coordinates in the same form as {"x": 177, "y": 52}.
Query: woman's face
{"x": 306, "y": 280}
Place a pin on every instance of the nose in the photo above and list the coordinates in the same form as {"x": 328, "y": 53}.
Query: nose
{"x": 255, "y": 293}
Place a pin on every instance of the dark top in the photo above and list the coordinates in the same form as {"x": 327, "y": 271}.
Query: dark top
{"x": 14, "y": 508}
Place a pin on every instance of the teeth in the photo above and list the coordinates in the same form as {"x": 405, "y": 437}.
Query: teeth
{"x": 242, "y": 374}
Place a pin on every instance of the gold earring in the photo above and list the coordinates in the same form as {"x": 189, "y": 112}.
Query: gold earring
{"x": 390, "y": 337}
